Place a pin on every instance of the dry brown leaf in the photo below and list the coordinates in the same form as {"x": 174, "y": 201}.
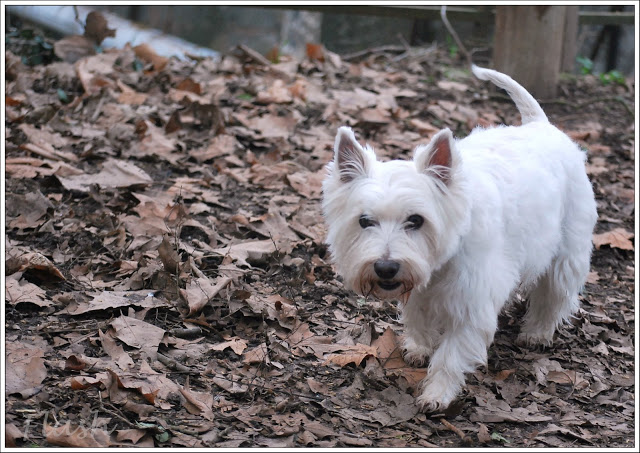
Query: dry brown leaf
{"x": 114, "y": 299}
{"x": 317, "y": 387}
{"x": 250, "y": 251}
{"x": 189, "y": 84}
{"x": 12, "y": 432}
{"x": 114, "y": 174}
{"x": 37, "y": 261}
{"x": 238, "y": 345}
{"x": 352, "y": 354}
{"x": 220, "y": 145}
{"x": 593, "y": 277}
{"x": 73, "y": 48}
{"x": 169, "y": 255}
{"x": 131, "y": 435}
{"x": 93, "y": 71}
{"x": 154, "y": 142}
{"x": 18, "y": 291}
{"x": 116, "y": 352}
{"x": 618, "y": 238}
{"x": 388, "y": 351}
{"x": 424, "y": 127}
{"x": 25, "y": 368}
{"x": 148, "y": 383}
{"x": 377, "y": 116}
{"x": 259, "y": 354}
{"x": 503, "y": 374}
{"x": 146, "y": 53}
{"x": 277, "y": 93}
{"x": 198, "y": 403}
{"x": 129, "y": 95}
{"x": 315, "y": 51}
{"x": 199, "y": 291}
{"x": 75, "y": 363}
{"x": 137, "y": 333}
{"x": 96, "y": 27}
{"x": 483, "y": 434}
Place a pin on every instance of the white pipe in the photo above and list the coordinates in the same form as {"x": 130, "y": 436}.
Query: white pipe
{"x": 62, "y": 19}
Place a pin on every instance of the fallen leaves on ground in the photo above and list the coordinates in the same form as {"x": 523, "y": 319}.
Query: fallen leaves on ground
{"x": 167, "y": 283}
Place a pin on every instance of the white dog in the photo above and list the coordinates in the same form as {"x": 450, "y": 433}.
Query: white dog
{"x": 455, "y": 231}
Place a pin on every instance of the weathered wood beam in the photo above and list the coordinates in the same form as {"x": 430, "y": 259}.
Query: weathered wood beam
{"x": 465, "y": 13}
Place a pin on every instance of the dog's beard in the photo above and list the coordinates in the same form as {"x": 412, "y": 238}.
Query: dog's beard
{"x": 368, "y": 284}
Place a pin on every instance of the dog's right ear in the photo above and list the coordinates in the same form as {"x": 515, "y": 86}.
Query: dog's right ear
{"x": 350, "y": 158}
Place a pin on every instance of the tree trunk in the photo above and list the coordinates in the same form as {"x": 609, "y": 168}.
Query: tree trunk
{"x": 534, "y": 43}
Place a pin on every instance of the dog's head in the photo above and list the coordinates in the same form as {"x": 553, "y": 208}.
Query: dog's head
{"x": 392, "y": 224}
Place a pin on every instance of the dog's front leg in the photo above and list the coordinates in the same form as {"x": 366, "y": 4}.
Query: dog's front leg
{"x": 420, "y": 330}
{"x": 460, "y": 351}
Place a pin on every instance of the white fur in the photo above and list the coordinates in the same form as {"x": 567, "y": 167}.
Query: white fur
{"x": 512, "y": 208}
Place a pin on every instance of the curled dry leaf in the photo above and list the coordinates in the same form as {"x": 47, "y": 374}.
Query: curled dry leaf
{"x": 352, "y": 354}
{"x": 199, "y": 291}
{"x": 238, "y": 345}
{"x": 198, "y": 403}
{"x": 18, "y": 290}
{"x": 618, "y": 238}
{"x": 97, "y": 28}
{"x": 39, "y": 262}
{"x": 146, "y": 53}
{"x": 12, "y": 432}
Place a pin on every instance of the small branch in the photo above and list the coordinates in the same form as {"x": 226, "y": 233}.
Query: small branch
{"x": 456, "y": 38}
{"x": 172, "y": 364}
{"x": 465, "y": 439}
{"x": 373, "y": 50}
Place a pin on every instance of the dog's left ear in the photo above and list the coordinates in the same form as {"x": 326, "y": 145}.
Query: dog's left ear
{"x": 437, "y": 157}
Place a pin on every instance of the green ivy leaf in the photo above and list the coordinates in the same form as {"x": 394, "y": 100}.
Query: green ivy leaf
{"x": 499, "y": 438}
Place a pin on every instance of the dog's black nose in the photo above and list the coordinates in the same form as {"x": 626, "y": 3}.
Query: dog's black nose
{"x": 386, "y": 269}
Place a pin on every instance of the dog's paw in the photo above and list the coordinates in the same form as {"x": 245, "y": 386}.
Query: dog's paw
{"x": 526, "y": 338}
{"x": 416, "y": 355}
{"x": 428, "y": 406}
{"x": 438, "y": 392}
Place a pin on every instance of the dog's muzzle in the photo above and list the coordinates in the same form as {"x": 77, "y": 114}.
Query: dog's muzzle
{"x": 387, "y": 270}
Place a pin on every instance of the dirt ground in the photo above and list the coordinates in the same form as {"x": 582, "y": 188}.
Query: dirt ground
{"x": 167, "y": 283}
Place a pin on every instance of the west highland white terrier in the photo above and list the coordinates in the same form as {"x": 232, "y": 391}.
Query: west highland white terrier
{"x": 454, "y": 232}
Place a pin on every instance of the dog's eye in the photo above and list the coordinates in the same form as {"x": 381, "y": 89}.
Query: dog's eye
{"x": 414, "y": 222}
{"x": 365, "y": 222}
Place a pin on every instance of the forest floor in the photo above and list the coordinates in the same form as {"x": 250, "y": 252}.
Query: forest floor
{"x": 167, "y": 281}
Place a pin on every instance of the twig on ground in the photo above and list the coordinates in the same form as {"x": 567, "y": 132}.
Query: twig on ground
{"x": 169, "y": 362}
{"x": 465, "y": 439}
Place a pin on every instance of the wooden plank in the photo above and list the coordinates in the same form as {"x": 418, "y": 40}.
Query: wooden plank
{"x": 408, "y": 12}
{"x": 606, "y": 18}
{"x": 454, "y": 13}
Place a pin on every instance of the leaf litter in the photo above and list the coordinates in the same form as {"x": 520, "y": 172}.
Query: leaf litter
{"x": 167, "y": 283}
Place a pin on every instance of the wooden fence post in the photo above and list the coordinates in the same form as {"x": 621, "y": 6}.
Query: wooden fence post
{"x": 530, "y": 43}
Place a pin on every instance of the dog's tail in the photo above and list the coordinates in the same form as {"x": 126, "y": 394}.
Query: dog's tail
{"x": 528, "y": 107}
